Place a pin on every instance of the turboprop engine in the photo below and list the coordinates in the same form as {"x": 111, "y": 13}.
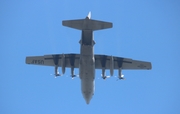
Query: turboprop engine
{"x": 72, "y": 73}
{"x": 120, "y": 75}
{"x": 56, "y": 72}
{"x": 104, "y": 74}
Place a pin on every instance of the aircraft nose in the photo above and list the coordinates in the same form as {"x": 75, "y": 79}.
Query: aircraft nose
{"x": 87, "y": 101}
{"x": 87, "y": 97}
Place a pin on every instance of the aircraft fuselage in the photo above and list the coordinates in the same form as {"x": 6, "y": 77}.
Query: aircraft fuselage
{"x": 87, "y": 65}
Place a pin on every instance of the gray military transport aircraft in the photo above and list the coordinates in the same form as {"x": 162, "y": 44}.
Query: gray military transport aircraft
{"x": 87, "y": 61}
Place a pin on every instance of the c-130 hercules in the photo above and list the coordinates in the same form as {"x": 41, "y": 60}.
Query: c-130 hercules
{"x": 86, "y": 61}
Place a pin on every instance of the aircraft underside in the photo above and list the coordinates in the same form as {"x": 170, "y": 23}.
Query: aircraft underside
{"x": 87, "y": 61}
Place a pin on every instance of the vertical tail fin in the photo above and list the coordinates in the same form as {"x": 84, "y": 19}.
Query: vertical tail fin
{"x": 89, "y": 15}
{"x": 87, "y": 24}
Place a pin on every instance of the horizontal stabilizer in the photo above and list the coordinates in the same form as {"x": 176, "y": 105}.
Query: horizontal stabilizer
{"x": 87, "y": 24}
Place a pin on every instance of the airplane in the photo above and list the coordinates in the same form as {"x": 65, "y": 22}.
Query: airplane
{"x": 87, "y": 61}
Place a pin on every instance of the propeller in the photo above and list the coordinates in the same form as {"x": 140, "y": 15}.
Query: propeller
{"x": 73, "y": 76}
{"x": 56, "y": 75}
{"x": 120, "y": 77}
{"x": 104, "y": 77}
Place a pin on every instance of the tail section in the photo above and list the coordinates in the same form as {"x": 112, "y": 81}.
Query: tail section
{"x": 89, "y": 15}
{"x": 87, "y": 24}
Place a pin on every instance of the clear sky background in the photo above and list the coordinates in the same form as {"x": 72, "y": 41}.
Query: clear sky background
{"x": 142, "y": 30}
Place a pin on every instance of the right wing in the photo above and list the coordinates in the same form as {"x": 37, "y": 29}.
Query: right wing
{"x": 54, "y": 60}
{"x": 120, "y": 62}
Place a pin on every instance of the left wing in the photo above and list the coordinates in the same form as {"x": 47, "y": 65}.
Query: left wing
{"x": 54, "y": 60}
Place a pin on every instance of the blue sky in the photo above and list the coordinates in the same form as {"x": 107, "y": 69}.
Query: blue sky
{"x": 142, "y": 30}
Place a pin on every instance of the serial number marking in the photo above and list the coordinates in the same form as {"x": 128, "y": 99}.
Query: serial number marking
{"x": 142, "y": 66}
{"x": 37, "y": 62}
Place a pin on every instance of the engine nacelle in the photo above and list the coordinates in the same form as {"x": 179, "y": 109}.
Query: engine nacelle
{"x": 72, "y": 73}
{"x": 104, "y": 74}
{"x": 120, "y": 75}
{"x": 112, "y": 66}
{"x": 63, "y": 63}
{"x": 56, "y": 72}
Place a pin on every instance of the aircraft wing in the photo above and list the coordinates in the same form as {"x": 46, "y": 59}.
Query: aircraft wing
{"x": 54, "y": 60}
{"x": 120, "y": 62}
{"x": 100, "y": 61}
